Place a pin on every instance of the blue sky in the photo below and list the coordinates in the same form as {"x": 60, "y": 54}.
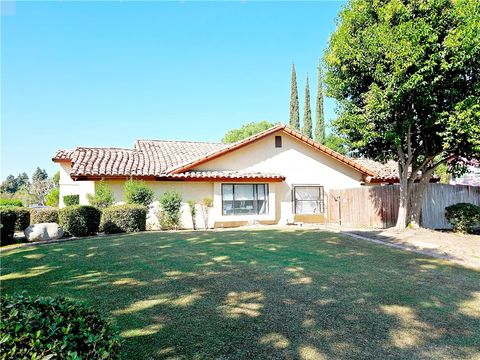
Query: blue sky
{"x": 107, "y": 73}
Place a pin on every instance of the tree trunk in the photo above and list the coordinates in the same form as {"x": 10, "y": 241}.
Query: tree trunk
{"x": 418, "y": 194}
{"x": 404, "y": 196}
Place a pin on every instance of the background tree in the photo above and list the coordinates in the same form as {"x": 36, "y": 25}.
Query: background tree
{"x": 294, "y": 106}
{"x": 319, "y": 116}
{"x": 246, "y": 131}
{"x": 406, "y": 76}
{"x": 337, "y": 143}
{"x": 39, "y": 175}
{"x": 9, "y": 185}
{"x": 307, "y": 114}
{"x": 22, "y": 181}
{"x": 56, "y": 178}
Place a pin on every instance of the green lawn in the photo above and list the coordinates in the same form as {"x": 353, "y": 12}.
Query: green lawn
{"x": 261, "y": 294}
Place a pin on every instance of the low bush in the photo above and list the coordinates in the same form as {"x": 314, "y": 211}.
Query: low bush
{"x": 11, "y": 202}
{"x": 170, "y": 206}
{"x": 70, "y": 200}
{"x": 22, "y": 217}
{"x": 124, "y": 218}
{"x": 79, "y": 220}
{"x": 464, "y": 217}
{"x": 137, "y": 192}
{"x": 8, "y": 218}
{"x": 43, "y": 215}
{"x": 54, "y": 328}
{"x": 103, "y": 196}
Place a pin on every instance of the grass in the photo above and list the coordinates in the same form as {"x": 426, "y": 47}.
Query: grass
{"x": 261, "y": 294}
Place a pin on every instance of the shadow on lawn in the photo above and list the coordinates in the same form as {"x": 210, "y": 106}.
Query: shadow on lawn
{"x": 261, "y": 294}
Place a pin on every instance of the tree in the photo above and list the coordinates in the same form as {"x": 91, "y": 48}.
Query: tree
{"x": 294, "y": 107}
{"x": 246, "y": 131}
{"x": 22, "y": 181}
{"x": 9, "y": 185}
{"x": 103, "y": 196}
{"x": 39, "y": 190}
{"x": 56, "y": 178}
{"x": 307, "y": 114}
{"x": 39, "y": 175}
{"x": 319, "y": 116}
{"x": 406, "y": 77}
{"x": 138, "y": 192}
{"x": 337, "y": 143}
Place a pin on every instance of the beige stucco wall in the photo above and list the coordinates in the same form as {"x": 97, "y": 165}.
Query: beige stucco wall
{"x": 298, "y": 162}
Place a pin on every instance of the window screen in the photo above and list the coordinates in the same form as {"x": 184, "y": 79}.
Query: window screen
{"x": 244, "y": 199}
{"x": 309, "y": 199}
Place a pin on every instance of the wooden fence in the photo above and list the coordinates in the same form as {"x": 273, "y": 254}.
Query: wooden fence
{"x": 377, "y": 206}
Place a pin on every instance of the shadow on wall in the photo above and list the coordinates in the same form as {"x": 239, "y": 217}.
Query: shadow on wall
{"x": 261, "y": 294}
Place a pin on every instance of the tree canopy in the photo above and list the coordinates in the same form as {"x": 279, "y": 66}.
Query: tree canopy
{"x": 246, "y": 131}
{"x": 406, "y": 75}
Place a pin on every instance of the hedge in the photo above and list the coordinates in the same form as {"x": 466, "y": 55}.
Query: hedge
{"x": 43, "y": 215}
{"x": 70, "y": 200}
{"x": 124, "y": 218}
{"x": 23, "y": 217}
{"x": 79, "y": 220}
{"x": 54, "y": 328}
{"x": 464, "y": 217}
{"x": 8, "y": 218}
{"x": 11, "y": 202}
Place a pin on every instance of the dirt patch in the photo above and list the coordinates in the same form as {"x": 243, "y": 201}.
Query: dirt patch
{"x": 460, "y": 248}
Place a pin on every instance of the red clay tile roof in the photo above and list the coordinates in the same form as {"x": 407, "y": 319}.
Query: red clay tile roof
{"x": 176, "y": 159}
{"x": 386, "y": 171}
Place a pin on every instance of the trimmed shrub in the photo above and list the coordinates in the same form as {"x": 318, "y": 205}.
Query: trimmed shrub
{"x": 70, "y": 200}
{"x": 53, "y": 197}
{"x": 137, "y": 192}
{"x": 464, "y": 217}
{"x": 8, "y": 218}
{"x": 79, "y": 220}
{"x": 124, "y": 218}
{"x": 54, "y": 328}
{"x": 170, "y": 205}
{"x": 103, "y": 196}
{"x": 43, "y": 215}
{"x": 22, "y": 217}
{"x": 11, "y": 202}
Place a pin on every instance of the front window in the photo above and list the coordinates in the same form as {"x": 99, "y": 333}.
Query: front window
{"x": 309, "y": 199}
{"x": 244, "y": 199}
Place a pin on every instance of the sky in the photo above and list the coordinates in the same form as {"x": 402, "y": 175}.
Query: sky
{"x": 107, "y": 73}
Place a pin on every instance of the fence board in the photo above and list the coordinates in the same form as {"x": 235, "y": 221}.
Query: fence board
{"x": 377, "y": 206}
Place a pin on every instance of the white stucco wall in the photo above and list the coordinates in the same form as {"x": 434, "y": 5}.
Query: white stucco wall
{"x": 70, "y": 187}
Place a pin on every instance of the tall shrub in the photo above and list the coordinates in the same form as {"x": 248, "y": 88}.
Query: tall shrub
{"x": 22, "y": 216}
{"x": 137, "y": 192}
{"x": 8, "y": 217}
{"x": 193, "y": 212}
{"x": 206, "y": 204}
{"x": 79, "y": 220}
{"x": 170, "y": 206}
{"x": 103, "y": 196}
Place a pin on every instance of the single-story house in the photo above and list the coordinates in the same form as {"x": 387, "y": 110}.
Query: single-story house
{"x": 275, "y": 177}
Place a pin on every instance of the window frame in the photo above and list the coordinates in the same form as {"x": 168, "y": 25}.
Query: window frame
{"x": 255, "y": 200}
{"x": 320, "y": 201}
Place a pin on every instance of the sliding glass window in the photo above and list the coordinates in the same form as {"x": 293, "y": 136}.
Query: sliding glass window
{"x": 244, "y": 199}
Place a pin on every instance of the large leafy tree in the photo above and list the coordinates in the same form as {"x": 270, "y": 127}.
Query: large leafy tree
{"x": 246, "y": 131}
{"x": 294, "y": 106}
{"x": 406, "y": 74}
{"x": 307, "y": 113}
{"x": 39, "y": 175}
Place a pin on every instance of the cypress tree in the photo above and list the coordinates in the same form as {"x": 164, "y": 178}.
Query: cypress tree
{"x": 307, "y": 113}
{"x": 294, "y": 112}
{"x": 319, "y": 117}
